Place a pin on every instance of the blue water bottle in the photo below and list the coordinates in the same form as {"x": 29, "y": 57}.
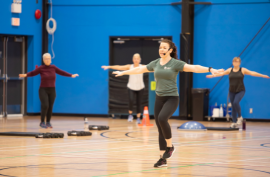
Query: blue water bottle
{"x": 224, "y": 110}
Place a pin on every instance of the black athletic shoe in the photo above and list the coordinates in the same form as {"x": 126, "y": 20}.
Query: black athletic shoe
{"x": 49, "y": 125}
{"x": 161, "y": 163}
{"x": 42, "y": 125}
{"x": 169, "y": 152}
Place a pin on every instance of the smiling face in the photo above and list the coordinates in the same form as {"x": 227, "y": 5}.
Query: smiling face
{"x": 164, "y": 48}
{"x": 236, "y": 62}
{"x": 47, "y": 59}
{"x": 136, "y": 59}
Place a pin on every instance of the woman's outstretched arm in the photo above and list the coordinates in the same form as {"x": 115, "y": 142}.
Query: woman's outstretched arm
{"x": 117, "y": 67}
{"x": 31, "y": 73}
{"x": 64, "y": 73}
{"x": 137, "y": 70}
{"x": 200, "y": 69}
{"x": 253, "y": 73}
{"x": 220, "y": 74}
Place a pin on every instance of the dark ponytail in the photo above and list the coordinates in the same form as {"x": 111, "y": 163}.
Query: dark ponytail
{"x": 172, "y": 46}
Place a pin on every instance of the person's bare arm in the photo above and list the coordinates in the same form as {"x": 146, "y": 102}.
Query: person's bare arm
{"x": 200, "y": 69}
{"x": 253, "y": 73}
{"x": 117, "y": 67}
{"x": 220, "y": 74}
{"x": 137, "y": 70}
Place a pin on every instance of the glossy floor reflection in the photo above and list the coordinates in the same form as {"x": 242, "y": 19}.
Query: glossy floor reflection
{"x": 129, "y": 150}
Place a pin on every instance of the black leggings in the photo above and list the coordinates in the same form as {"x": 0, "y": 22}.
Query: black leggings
{"x": 165, "y": 106}
{"x": 47, "y": 96}
{"x": 139, "y": 95}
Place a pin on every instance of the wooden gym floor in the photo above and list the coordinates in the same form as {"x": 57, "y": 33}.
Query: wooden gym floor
{"x": 127, "y": 150}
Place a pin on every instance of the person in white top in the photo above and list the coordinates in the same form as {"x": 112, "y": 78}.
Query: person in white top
{"x": 135, "y": 85}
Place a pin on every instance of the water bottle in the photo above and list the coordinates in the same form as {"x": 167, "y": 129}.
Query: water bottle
{"x": 221, "y": 111}
{"x": 212, "y": 107}
{"x": 244, "y": 124}
{"x": 85, "y": 123}
{"x": 224, "y": 110}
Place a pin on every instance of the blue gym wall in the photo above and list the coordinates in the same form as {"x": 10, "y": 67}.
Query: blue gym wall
{"x": 82, "y": 44}
{"x": 222, "y": 31}
{"x": 31, "y": 28}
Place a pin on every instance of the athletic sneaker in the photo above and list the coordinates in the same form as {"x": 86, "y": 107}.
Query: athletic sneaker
{"x": 130, "y": 118}
{"x": 234, "y": 125}
{"x": 49, "y": 125}
{"x": 240, "y": 120}
{"x": 138, "y": 121}
{"x": 169, "y": 152}
{"x": 42, "y": 125}
{"x": 161, "y": 163}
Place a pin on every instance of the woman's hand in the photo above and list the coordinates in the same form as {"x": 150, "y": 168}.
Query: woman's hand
{"x": 216, "y": 71}
{"x": 210, "y": 76}
{"x": 221, "y": 70}
{"x": 267, "y": 77}
{"x": 118, "y": 73}
{"x": 74, "y": 75}
{"x": 105, "y": 67}
{"x": 22, "y": 75}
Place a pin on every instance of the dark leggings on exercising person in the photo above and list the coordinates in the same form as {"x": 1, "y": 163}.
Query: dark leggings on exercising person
{"x": 235, "y": 101}
{"x": 165, "y": 106}
{"x": 47, "y": 96}
{"x": 131, "y": 96}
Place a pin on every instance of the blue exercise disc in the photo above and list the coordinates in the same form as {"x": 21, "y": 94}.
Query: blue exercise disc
{"x": 192, "y": 125}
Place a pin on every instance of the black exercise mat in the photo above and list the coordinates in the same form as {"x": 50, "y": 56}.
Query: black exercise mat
{"x": 19, "y": 133}
{"x": 222, "y": 128}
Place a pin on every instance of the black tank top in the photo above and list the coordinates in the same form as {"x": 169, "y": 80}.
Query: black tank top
{"x": 236, "y": 81}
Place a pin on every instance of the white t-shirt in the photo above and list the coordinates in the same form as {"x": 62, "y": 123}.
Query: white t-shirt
{"x": 135, "y": 81}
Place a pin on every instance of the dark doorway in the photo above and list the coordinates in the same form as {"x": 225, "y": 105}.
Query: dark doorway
{"x": 122, "y": 50}
{"x": 12, "y": 88}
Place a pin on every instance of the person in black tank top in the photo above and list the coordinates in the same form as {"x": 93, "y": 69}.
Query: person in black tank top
{"x": 236, "y": 81}
{"x": 237, "y": 87}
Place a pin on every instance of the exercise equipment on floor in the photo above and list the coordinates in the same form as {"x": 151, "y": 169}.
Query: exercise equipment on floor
{"x": 78, "y": 133}
{"x": 221, "y": 128}
{"x": 50, "y": 135}
{"x": 228, "y": 128}
{"x": 94, "y": 127}
{"x": 192, "y": 125}
{"x": 98, "y": 127}
{"x": 195, "y": 126}
{"x": 33, "y": 134}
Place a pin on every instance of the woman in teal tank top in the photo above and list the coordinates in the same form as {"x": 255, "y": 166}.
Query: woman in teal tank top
{"x": 166, "y": 69}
